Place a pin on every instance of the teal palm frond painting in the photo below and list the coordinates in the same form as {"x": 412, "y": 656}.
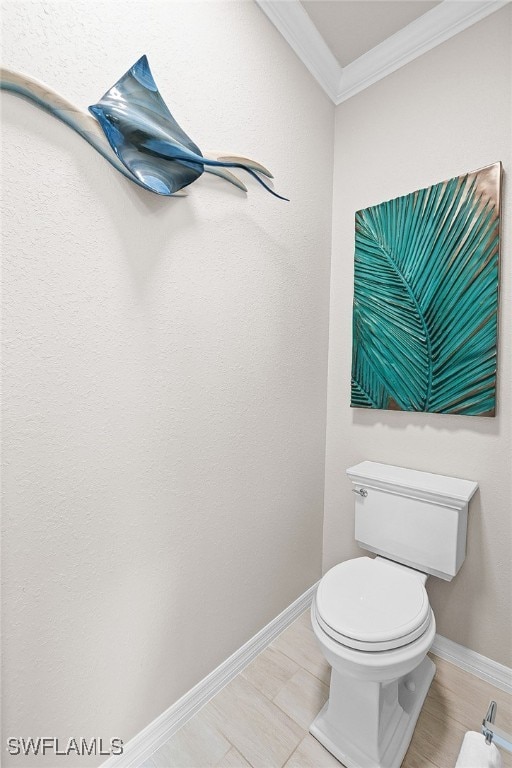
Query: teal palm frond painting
{"x": 426, "y": 298}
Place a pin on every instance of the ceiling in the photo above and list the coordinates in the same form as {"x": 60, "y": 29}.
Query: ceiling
{"x": 348, "y": 45}
{"x": 352, "y": 27}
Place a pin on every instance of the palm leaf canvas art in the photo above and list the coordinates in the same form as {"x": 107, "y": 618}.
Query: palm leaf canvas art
{"x": 426, "y": 298}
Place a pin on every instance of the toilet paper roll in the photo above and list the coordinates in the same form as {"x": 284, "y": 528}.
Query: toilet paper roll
{"x": 475, "y": 753}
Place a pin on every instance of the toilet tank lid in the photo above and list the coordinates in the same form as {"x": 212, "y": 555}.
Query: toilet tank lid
{"x": 424, "y": 483}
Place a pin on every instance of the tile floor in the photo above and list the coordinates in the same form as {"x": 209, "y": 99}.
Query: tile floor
{"x": 261, "y": 718}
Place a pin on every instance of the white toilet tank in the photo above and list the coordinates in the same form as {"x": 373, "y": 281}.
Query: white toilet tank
{"x": 415, "y": 518}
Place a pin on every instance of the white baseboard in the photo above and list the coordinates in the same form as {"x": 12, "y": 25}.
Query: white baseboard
{"x": 151, "y": 738}
{"x": 486, "y": 669}
{"x": 145, "y": 743}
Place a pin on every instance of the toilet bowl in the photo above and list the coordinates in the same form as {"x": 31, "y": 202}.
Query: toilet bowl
{"x": 378, "y": 669}
{"x": 375, "y": 616}
{"x": 372, "y": 617}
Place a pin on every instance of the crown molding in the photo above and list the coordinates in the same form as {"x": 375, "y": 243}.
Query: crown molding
{"x": 292, "y": 21}
{"x": 433, "y": 28}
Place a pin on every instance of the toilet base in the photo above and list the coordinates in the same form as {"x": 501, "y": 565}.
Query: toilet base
{"x": 338, "y": 736}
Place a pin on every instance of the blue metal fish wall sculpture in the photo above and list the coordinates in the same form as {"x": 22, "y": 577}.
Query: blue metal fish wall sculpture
{"x": 149, "y": 146}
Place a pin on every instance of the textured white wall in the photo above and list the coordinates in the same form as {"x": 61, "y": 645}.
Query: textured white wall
{"x": 165, "y": 367}
{"x": 443, "y": 114}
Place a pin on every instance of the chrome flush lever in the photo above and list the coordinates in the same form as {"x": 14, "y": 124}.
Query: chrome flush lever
{"x": 362, "y": 492}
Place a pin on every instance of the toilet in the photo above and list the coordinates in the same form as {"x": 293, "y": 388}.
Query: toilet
{"x": 372, "y": 617}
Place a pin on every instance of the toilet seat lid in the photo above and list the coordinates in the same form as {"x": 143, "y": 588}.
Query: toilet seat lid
{"x": 373, "y": 604}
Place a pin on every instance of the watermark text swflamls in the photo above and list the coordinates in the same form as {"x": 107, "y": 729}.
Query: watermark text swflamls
{"x": 43, "y": 745}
